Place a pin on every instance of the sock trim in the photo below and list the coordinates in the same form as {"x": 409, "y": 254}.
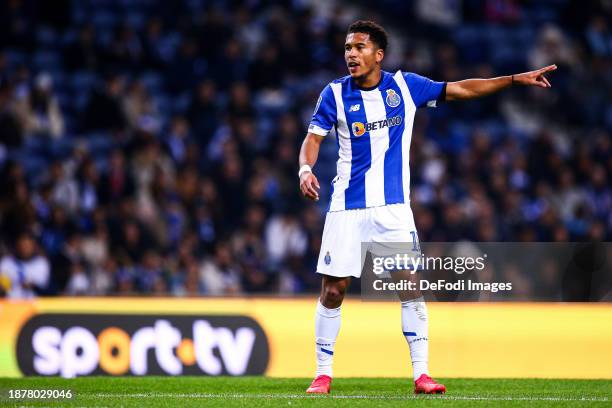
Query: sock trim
{"x": 323, "y": 311}
{"x": 407, "y": 303}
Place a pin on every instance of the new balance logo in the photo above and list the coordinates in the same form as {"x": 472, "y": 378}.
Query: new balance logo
{"x": 355, "y": 108}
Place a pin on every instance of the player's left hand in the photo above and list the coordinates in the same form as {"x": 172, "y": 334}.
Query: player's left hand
{"x": 535, "y": 78}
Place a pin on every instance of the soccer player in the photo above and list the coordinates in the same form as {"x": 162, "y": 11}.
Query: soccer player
{"x": 372, "y": 112}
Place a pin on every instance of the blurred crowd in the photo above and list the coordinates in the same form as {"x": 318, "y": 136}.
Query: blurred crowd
{"x": 150, "y": 147}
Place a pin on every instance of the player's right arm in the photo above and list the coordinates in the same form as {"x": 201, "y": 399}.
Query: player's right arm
{"x": 323, "y": 120}
{"x": 308, "y": 157}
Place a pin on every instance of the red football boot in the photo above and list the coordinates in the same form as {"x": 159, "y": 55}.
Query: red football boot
{"x": 320, "y": 385}
{"x": 426, "y": 385}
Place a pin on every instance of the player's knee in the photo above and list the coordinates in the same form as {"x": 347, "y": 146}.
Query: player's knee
{"x": 332, "y": 296}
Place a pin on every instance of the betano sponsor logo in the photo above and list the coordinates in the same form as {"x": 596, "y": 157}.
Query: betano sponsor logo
{"x": 360, "y": 128}
{"x": 71, "y": 345}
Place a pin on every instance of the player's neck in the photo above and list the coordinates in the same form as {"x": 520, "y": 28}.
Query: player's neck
{"x": 369, "y": 81}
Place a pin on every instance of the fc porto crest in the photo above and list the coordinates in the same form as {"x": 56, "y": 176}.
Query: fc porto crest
{"x": 392, "y": 99}
{"x": 327, "y": 258}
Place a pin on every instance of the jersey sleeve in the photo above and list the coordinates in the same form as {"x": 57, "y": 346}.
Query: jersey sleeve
{"x": 324, "y": 117}
{"x": 424, "y": 91}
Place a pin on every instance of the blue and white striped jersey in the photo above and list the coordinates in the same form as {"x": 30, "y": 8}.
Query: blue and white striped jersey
{"x": 374, "y": 130}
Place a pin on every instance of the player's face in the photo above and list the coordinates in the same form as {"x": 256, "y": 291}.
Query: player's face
{"x": 361, "y": 54}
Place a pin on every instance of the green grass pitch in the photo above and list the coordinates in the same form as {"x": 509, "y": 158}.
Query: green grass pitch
{"x": 274, "y": 392}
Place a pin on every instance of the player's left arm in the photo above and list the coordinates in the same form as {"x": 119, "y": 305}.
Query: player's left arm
{"x": 475, "y": 88}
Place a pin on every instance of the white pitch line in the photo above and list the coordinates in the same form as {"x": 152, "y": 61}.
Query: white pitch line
{"x": 378, "y": 397}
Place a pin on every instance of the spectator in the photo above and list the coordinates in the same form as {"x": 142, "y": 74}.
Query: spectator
{"x": 19, "y": 213}
{"x": 138, "y": 105}
{"x": 65, "y": 188}
{"x": 266, "y": 72}
{"x": 39, "y": 111}
{"x": 154, "y": 44}
{"x": 599, "y": 37}
{"x": 125, "y": 49}
{"x": 150, "y": 273}
{"x": 83, "y": 54}
{"x": 25, "y": 273}
{"x": 105, "y": 110}
{"x": 11, "y": 132}
{"x": 117, "y": 183}
{"x": 103, "y": 278}
{"x": 68, "y": 265}
{"x": 202, "y": 112}
{"x": 552, "y": 47}
{"x": 79, "y": 283}
{"x": 94, "y": 247}
{"x": 88, "y": 186}
{"x": 178, "y": 138}
{"x": 220, "y": 275}
{"x": 284, "y": 237}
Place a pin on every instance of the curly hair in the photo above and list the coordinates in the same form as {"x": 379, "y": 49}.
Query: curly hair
{"x": 377, "y": 33}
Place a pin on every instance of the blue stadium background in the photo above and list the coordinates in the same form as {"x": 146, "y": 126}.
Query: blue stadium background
{"x": 150, "y": 147}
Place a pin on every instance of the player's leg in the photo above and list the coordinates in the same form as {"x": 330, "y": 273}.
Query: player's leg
{"x": 415, "y": 327}
{"x": 327, "y": 327}
{"x": 337, "y": 264}
{"x": 327, "y": 321}
{"x": 414, "y": 323}
{"x": 396, "y": 224}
